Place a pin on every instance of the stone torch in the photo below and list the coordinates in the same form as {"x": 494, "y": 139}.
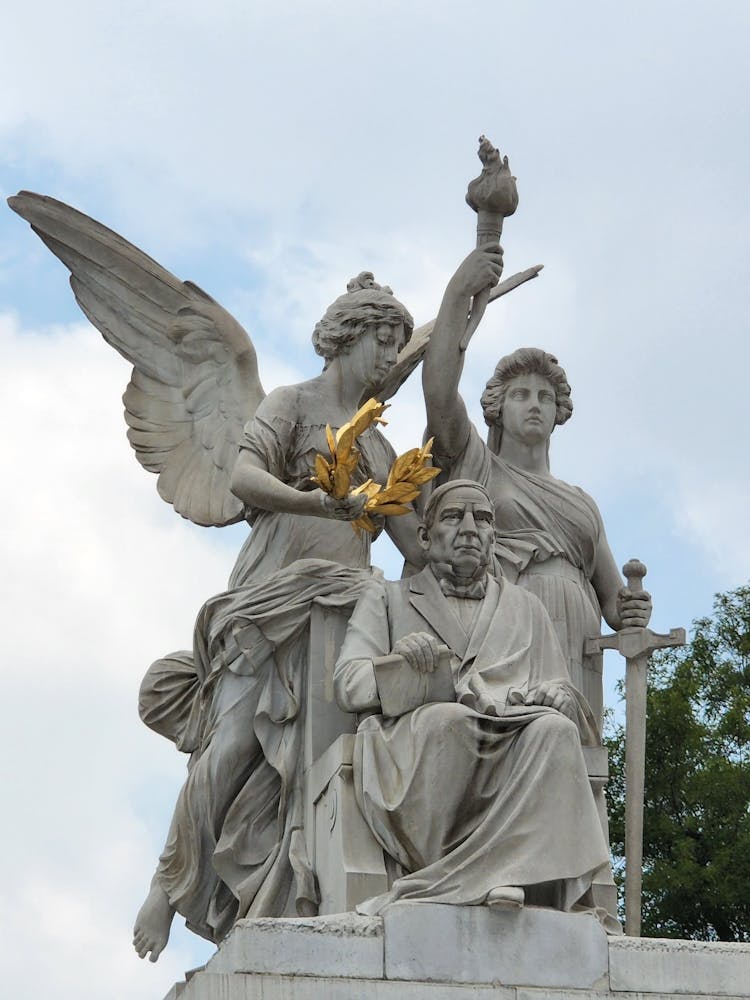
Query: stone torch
{"x": 493, "y": 196}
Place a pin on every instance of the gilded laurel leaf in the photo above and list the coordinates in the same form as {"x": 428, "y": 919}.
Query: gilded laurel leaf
{"x": 369, "y": 488}
{"x": 399, "y": 492}
{"x": 351, "y": 462}
{"x": 323, "y": 473}
{"x": 331, "y": 439}
{"x": 423, "y": 476}
{"x": 408, "y": 473}
{"x": 341, "y": 482}
{"x": 401, "y": 467}
{"x": 389, "y": 508}
{"x": 344, "y": 441}
{"x": 367, "y": 415}
{"x": 426, "y": 448}
{"x": 364, "y": 523}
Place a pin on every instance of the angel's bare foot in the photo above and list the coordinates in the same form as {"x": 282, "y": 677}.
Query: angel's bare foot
{"x": 153, "y": 923}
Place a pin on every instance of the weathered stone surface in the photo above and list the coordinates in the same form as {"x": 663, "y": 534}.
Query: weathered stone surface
{"x": 270, "y": 987}
{"x": 526, "y": 947}
{"x": 441, "y": 948}
{"x": 550, "y": 994}
{"x": 348, "y": 861}
{"x": 654, "y": 965}
{"x": 342, "y": 945}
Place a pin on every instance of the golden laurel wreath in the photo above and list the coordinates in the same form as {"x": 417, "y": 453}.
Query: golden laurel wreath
{"x": 408, "y": 473}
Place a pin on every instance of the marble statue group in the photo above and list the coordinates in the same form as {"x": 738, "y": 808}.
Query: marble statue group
{"x": 475, "y": 784}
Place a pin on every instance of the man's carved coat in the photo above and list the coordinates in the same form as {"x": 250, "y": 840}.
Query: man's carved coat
{"x": 486, "y": 791}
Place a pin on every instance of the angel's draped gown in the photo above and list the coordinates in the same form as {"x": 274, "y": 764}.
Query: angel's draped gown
{"x": 547, "y": 535}
{"x": 235, "y": 845}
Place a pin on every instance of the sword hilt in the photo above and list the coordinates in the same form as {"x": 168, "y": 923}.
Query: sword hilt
{"x": 634, "y": 571}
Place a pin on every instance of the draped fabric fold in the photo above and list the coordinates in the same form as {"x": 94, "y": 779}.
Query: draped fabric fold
{"x": 235, "y": 703}
{"x": 235, "y": 846}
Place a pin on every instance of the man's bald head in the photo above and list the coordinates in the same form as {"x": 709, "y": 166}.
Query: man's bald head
{"x": 442, "y": 491}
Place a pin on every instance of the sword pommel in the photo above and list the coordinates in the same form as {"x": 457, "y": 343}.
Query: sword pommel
{"x": 634, "y": 572}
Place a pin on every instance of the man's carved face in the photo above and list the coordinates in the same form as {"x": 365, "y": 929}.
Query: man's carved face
{"x": 462, "y": 533}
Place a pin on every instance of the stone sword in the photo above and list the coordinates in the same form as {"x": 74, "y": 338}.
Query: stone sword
{"x": 636, "y": 645}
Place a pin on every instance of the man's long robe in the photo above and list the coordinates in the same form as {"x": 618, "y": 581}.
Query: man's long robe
{"x": 486, "y": 791}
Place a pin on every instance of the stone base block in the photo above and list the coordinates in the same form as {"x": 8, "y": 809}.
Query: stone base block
{"x": 425, "y": 951}
{"x": 344, "y": 944}
{"x": 479, "y": 944}
{"x": 716, "y": 969}
{"x": 268, "y": 987}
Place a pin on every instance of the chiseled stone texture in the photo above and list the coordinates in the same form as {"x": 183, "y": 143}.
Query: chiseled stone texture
{"x": 424, "y": 951}
{"x": 268, "y": 987}
{"x": 344, "y": 944}
{"x": 654, "y": 965}
{"x": 533, "y": 994}
{"x": 477, "y": 944}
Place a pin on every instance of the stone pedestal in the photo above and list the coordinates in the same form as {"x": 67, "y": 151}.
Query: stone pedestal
{"x": 424, "y": 951}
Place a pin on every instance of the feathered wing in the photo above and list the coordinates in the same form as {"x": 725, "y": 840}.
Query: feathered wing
{"x": 195, "y": 374}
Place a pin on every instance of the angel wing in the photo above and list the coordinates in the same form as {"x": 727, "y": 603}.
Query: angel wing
{"x": 195, "y": 374}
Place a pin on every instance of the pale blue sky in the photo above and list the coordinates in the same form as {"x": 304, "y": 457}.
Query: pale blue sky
{"x": 269, "y": 153}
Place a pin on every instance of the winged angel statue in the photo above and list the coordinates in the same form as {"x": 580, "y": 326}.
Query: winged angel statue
{"x": 225, "y": 451}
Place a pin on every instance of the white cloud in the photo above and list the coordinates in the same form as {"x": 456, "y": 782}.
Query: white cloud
{"x": 269, "y": 155}
{"x": 99, "y": 578}
{"x": 712, "y": 511}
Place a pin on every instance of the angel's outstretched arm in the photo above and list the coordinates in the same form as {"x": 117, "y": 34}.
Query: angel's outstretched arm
{"x": 257, "y": 487}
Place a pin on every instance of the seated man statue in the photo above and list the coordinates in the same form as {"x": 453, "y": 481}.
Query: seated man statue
{"x": 480, "y": 792}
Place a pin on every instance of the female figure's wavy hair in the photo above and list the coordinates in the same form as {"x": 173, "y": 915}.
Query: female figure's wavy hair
{"x": 364, "y": 303}
{"x": 524, "y": 361}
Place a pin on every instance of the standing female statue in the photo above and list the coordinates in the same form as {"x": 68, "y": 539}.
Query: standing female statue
{"x": 549, "y": 535}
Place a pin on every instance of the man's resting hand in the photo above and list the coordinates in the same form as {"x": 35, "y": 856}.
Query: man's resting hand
{"x": 420, "y": 650}
{"x": 553, "y": 695}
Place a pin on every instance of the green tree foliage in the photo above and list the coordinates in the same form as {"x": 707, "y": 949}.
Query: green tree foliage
{"x": 696, "y": 859}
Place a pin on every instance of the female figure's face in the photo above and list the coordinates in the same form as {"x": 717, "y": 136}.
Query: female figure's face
{"x": 529, "y": 409}
{"x": 371, "y": 357}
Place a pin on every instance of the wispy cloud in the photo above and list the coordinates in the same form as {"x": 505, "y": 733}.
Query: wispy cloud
{"x": 269, "y": 155}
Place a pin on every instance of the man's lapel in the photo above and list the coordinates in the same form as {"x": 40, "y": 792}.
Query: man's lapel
{"x": 428, "y": 599}
{"x": 484, "y": 618}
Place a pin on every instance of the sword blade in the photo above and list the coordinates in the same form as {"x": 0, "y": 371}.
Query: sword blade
{"x": 635, "y": 771}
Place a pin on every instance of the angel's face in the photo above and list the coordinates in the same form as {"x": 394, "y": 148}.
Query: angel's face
{"x": 372, "y": 355}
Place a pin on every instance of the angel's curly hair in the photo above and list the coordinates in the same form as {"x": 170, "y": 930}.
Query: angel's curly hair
{"x": 525, "y": 361}
{"x": 364, "y": 303}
